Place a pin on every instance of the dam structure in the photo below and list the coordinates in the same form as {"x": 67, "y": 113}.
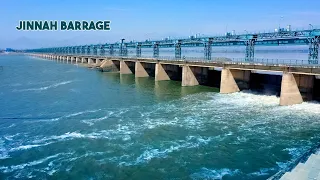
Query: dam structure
{"x": 294, "y": 81}
{"x": 297, "y": 83}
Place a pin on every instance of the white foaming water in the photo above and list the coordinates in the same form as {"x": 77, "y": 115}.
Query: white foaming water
{"x": 197, "y": 113}
{"x": 25, "y": 147}
{"x": 45, "y": 87}
{"x": 91, "y": 122}
{"x": 151, "y": 153}
{"x": 33, "y": 163}
{"x": 3, "y": 151}
{"x": 262, "y": 172}
{"x": 249, "y": 99}
{"x": 82, "y": 112}
{"x": 68, "y": 136}
{"x": 65, "y": 116}
{"x": 246, "y": 98}
{"x": 206, "y": 173}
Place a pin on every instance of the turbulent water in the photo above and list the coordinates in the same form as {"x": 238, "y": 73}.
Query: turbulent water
{"x": 61, "y": 121}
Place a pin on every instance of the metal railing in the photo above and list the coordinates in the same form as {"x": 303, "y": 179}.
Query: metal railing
{"x": 225, "y": 60}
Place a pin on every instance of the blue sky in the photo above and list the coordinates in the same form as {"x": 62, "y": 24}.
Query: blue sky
{"x": 156, "y": 19}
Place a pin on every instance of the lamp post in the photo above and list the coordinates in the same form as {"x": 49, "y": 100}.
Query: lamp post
{"x": 281, "y": 18}
{"x": 311, "y": 26}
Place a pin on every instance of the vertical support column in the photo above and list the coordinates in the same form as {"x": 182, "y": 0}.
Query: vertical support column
{"x": 88, "y": 50}
{"x": 313, "y": 57}
{"x": 111, "y": 50}
{"x": 124, "y": 68}
{"x": 156, "y": 50}
{"x": 123, "y": 49}
{"x": 161, "y": 74}
{"x": 102, "y": 50}
{"x": 290, "y": 93}
{"x": 98, "y": 62}
{"x": 208, "y": 49}
{"x": 109, "y": 66}
{"x": 90, "y": 61}
{"x": 140, "y": 71}
{"x": 84, "y": 60}
{"x": 138, "y": 50}
{"x": 250, "y": 49}
{"x": 73, "y": 50}
{"x": 228, "y": 83}
{"x": 188, "y": 76}
{"x": 83, "y": 50}
{"x": 95, "y": 50}
{"x": 178, "y": 50}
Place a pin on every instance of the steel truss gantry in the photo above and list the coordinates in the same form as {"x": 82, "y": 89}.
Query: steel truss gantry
{"x": 70, "y": 50}
{"x": 83, "y": 49}
{"x": 123, "y": 49}
{"x": 88, "y": 49}
{"x": 314, "y": 50}
{"x": 102, "y": 50}
{"x": 177, "y": 50}
{"x": 78, "y": 49}
{"x": 310, "y": 37}
{"x": 111, "y": 49}
{"x": 208, "y": 49}
{"x": 138, "y": 50}
{"x": 156, "y": 49}
{"x": 95, "y": 49}
{"x": 250, "y": 49}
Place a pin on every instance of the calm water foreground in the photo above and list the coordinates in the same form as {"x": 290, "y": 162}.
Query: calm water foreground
{"x": 61, "y": 121}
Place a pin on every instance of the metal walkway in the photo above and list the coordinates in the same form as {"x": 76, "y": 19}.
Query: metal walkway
{"x": 310, "y": 37}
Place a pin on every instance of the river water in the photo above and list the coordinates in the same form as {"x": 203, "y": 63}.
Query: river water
{"x": 62, "y": 121}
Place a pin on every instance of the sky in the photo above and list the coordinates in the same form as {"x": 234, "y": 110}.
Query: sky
{"x": 144, "y": 19}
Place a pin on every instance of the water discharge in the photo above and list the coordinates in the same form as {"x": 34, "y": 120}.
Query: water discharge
{"x": 75, "y": 123}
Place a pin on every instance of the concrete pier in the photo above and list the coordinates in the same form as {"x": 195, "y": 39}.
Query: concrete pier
{"x": 188, "y": 76}
{"x": 90, "y": 61}
{"x": 126, "y": 67}
{"x": 161, "y": 74}
{"x": 84, "y": 60}
{"x": 98, "y": 61}
{"x": 110, "y": 66}
{"x": 234, "y": 80}
{"x": 296, "y": 88}
{"x": 228, "y": 82}
{"x": 140, "y": 71}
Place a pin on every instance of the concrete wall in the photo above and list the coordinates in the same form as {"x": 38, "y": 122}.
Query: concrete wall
{"x": 305, "y": 85}
{"x": 269, "y": 84}
{"x": 143, "y": 69}
{"x": 127, "y": 67}
{"x": 214, "y": 78}
{"x": 91, "y": 61}
{"x": 290, "y": 93}
{"x": 196, "y": 75}
{"x": 110, "y": 66}
{"x": 168, "y": 72}
{"x": 98, "y": 61}
{"x": 189, "y": 77}
{"x": 84, "y": 60}
{"x": 233, "y": 80}
{"x": 316, "y": 89}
